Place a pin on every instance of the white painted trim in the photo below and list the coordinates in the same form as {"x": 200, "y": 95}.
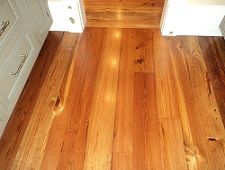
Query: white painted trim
{"x": 63, "y": 11}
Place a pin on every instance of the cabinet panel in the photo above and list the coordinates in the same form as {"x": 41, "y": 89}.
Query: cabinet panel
{"x": 11, "y": 24}
{"x": 9, "y": 19}
{"x": 38, "y": 13}
{"x": 11, "y": 76}
{"x": 41, "y": 17}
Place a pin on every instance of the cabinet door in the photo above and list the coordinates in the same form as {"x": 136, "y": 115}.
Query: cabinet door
{"x": 37, "y": 15}
{"x": 41, "y": 16}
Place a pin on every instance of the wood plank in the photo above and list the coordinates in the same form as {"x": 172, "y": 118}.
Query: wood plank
{"x": 201, "y": 107}
{"x": 167, "y": 99}
{"x": 123, "y": 127}
{"x": 68, "y": 135}
{"x": 100, "y": 132}
{"x": 208, "y": 113}
{"x": 130, "y": 118}
{"x": 168, "y": 104}
{"x": 14, "y": 133}
{"x": 163, "y": 112}
{"x": 30, "y": 153}
{"x": 193, "y": 139}
{"x": 213, "y": 53}
{"x": 146, "y": 126}
{"x": 142, "y": 51}
{"x": 172, "y": 144}
{"x": 124, "y": 14}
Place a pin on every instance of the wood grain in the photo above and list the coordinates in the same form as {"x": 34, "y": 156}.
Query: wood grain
{"x": 131, "y": 99}
{"x": 101, "y": 122}
{"x": 124, "y": 14}
{"x": 122, "y": 139}
{"x": 69, "y": 128}
{"x": 205, "y": 103}
{"x": 23, "y": 111}
{"x": 146, "y": 126}
{"x": 40, "y": 121}
{"x": 213, "y": 49}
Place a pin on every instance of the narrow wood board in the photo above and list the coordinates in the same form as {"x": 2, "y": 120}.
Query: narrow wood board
{"x": 101, "y": 122}
{"x": 23, "y": 111}
{"x": 41, "y": 119}
{"x": 124, "y": 14}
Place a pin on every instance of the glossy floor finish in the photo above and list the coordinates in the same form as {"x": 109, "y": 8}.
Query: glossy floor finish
{"x": 124, "y": 13}
{"x": 136, "y": 100}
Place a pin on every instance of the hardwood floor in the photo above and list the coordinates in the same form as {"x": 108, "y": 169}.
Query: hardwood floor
{"x": 124, "y": 14}
{"x": 115, "y": 98}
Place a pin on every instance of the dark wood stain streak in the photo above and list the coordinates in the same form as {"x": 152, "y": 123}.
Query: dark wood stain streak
{"x": 214, "y": 57}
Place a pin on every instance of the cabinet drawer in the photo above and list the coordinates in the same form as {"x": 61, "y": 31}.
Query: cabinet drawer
{"x": 15, "y": 72}
{"x": 11, "y": 32}
{"x": 9, "y": 19}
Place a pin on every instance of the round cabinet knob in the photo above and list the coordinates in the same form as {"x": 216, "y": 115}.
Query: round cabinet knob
{"x": 72, "y": 20}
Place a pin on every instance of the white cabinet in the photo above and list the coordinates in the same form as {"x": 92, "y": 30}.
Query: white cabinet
{"x": 41, "y": 16}
{"x": 192, "y": 17}
{"x": 16, "y": 66}
{"x": 68, "y": 15}
{"x": 24, "y": 25}
{"x": 37, "y": 15}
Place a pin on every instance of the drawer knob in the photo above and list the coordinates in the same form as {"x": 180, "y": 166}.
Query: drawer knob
{"x": 72, "y": 20}
{"x": 5, "y": 25}
{"x": 24, "y": 56}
